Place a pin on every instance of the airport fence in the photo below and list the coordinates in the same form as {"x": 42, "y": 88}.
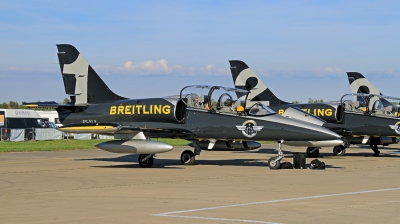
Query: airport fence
{"x": 38, "y": 134}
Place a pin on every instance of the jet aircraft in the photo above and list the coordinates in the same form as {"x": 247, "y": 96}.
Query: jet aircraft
{"x": 201, "y": 113}
{"x": 340, "y": 117}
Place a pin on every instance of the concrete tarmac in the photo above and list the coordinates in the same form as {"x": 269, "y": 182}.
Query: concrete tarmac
{"x": 93, "y": 186}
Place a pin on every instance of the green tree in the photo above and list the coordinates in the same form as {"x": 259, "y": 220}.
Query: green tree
{"x": 295, "y": 102}
{"x": 66, "y": 101}
{"x": 3, "y": 105}
{"x": 13, "y": 105}
{"x": 310, "y": 100}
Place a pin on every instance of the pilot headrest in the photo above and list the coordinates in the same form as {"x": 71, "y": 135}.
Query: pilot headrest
{"x": 240, "y": 109}
{"x": 203, "y": 98}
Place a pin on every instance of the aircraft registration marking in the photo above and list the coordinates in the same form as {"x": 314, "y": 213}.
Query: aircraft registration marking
{"x": 140, "y": 109}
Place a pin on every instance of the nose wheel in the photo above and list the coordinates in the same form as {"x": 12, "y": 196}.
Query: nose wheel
{"x": 275, "y": 162}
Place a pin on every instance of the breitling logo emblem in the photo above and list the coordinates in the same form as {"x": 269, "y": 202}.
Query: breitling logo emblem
{"x": 396, "y": 127}
{"x": 249, "y": 128}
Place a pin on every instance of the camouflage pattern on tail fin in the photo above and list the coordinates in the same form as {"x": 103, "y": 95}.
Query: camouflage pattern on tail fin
{"x": 81, "y": 82}
{"x": 245, "y": 78}
{"x": 360, "y": 84}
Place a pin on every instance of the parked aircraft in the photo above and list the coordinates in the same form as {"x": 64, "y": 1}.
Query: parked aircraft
{"x": 351, "y": 124}
{"x": 360, "y": 84}
{"x": 201, "y": 113}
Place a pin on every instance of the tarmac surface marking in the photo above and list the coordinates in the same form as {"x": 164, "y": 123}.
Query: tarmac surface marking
{"x": 93, "y": 186}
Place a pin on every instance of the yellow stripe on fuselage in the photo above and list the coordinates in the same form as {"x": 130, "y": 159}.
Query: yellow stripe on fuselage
{"x": 86, "y": 128}
{"x": 31, "y": 105}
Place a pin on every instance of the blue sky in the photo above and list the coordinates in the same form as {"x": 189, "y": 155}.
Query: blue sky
{"x": 301, "y": 49}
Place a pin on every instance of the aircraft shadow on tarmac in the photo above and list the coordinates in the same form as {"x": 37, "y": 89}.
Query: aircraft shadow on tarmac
{"x": 131, "y": 161}
{"x": 385, "y": 152}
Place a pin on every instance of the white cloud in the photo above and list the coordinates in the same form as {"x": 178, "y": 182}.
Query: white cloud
{"x": 160, "y": 67}
{"x": 210, "y": 69}
{"x": 149, "y": 67}
{"x": 330, "y": 71}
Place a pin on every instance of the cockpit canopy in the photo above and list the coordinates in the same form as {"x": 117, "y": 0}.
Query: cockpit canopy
{"x": 259, "y": 109}
{"x": 215, "y": 98}
{"x": 371, "y": 103}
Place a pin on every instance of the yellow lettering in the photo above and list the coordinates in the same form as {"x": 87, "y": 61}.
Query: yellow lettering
{"x": 320, "y": 112}
{"x": 139, "y": 107}
{"x": 151, "y": 109}
{"x": 281, "y": 111}
{"x": 308, "y": 110}
{"x": 166, "y": 109}
{"x": 144, "y": 110}
{"x": 128, "y": 109}
{"x": 157, "y": 109}
{"x": 328, "y": 112}
{"x": 305, "y": 110}
{"x": 120, "y": 110}
{"x": 133, "y": 109}
{"x": 113, "y": 110}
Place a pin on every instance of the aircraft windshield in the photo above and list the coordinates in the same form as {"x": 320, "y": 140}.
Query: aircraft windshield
{"x": 215, "y": 98}
{"x": 260, "y": 109}
{"x": 371, "y": 103}
{"x": 384, "y": 105}
{"x": 356, "y": 102}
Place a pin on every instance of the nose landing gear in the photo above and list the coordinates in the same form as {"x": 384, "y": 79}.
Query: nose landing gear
{"x": 274, "y": 162}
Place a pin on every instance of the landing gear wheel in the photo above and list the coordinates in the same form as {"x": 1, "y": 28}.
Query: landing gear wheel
{"x": 274, "y": 165}
{"x": 147, "y": 163}
{"x": 312, "y": 152}
{"x": 187, "y": 157}
{"x": 339, "y": 150}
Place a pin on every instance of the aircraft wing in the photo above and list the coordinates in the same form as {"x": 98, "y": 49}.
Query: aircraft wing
{"x": 51, "y": 104}
{"x": 113, "y": 128}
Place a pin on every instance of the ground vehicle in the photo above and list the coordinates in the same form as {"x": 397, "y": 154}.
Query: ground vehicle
{"x": 50, "y": 116}
{"x": 19, "y": 119}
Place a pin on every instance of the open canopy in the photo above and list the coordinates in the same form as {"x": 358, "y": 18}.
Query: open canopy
{"x": 215, "y": 98}
{"x": 372, "y": 104}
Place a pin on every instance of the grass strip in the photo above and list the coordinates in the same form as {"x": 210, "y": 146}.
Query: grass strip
{"x": 55, "y": 145}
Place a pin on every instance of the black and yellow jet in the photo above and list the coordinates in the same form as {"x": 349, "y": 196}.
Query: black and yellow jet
{"x": 361, "y": 117}
{"x": 210, "y": 114}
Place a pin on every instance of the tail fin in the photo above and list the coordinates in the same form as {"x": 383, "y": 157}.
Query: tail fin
{"x": 80, "y": 80}
{"x": 245, "y": 78}
{"x": 360, "y": 84}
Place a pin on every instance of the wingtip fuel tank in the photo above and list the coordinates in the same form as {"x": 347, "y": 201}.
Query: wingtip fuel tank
{"x": 135, "y": 146}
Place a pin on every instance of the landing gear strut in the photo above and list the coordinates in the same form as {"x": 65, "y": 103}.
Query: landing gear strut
{"x": 146, "y": 160}
{"x": 312, "y": 152}
{"x": 274, "y": 162}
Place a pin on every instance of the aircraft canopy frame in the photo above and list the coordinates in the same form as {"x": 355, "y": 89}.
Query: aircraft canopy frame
{"x": 371, "y": 104}
{"x": 217, "y": 99}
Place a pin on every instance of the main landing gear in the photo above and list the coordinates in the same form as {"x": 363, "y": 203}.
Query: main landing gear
{"x": 275, "y": 162}
{"x": 146, "y": 160}
{"x": 312, "y": 152}
{"x": 188, "y": 157}
{"x": 339, "y": 150}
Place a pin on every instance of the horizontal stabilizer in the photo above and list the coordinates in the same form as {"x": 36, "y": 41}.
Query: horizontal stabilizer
{"x": 52, "y": 104}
